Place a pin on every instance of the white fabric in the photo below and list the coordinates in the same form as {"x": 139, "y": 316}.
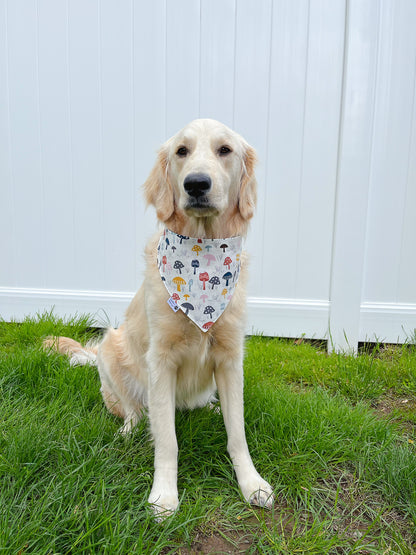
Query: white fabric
{"x": 199, "y": 274}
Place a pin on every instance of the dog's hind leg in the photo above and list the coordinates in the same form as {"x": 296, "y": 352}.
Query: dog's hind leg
{"x": 123, "y": 395}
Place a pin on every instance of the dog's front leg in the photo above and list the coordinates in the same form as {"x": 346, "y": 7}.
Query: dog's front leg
{"x": 161, "y": 402}
{"x": 229, "y": 378}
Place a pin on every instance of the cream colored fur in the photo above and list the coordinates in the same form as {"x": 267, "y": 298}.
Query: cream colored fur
{"x": 159, "y": 359}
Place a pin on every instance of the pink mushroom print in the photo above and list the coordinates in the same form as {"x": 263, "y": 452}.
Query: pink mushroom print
{"x": 210, "y": 258}
{"x": 204, "y": 277}
{"x": 203, "y": 298}
{"x": 227, "y": 262}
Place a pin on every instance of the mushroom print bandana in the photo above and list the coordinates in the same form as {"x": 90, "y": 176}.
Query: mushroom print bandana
{"x": 199, "y": 274}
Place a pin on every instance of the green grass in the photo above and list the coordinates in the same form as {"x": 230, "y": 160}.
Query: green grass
{"x": 333, "y": 434}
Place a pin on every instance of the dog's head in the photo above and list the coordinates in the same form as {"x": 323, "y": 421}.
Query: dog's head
{"x": 206, "y": 171}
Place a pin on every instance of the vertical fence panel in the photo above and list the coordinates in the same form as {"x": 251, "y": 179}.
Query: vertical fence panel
{"x": 182, "y": 63}
{"x": 394, "y": 125}
{"x": 27, "y": 178}
{"x": 7, "y": 228}
{"x": 320, "y": 157}
{"x": 116, "y": 64}
{"x": 251, "y": 107}
{"x": 217, "y": 60}
{"x": 289, "y": 46}
{"x": 55, "y": 140}
{"x": 86, "y": 144}
{"x": 149, "y": 66}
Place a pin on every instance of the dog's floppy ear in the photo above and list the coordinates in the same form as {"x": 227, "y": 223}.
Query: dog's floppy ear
{"x": 158, "y": 189}
{"x": 248, "y": 187}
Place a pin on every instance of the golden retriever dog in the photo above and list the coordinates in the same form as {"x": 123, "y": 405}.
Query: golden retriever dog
{"x": 202, "y": 186}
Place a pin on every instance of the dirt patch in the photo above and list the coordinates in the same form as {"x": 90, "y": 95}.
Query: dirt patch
{"x": 217, "y": 543}
{"x": 401, "y": 410}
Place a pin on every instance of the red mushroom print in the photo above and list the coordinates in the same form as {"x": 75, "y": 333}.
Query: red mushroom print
{"x": 207, "y": 325}
{"x": 210, "y": 258}
{"x": 175, "y": 297}
{"x": 204, "y": 277}
{"x": 223, "y": 247}
{"x": 209, "y": 310}
{"x": 164, "y": 262}
{"x": 227, "y": 262}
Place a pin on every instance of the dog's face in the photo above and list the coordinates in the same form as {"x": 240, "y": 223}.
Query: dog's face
{"x": 204, "y": 171}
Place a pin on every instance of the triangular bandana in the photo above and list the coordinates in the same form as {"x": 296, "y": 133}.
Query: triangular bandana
{"x": 199, "y": 274}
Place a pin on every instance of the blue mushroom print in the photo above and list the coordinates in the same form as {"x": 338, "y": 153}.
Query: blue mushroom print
{"x": 227, "y": 276}
{"x": 178, "y": 265}
{"x": 209, "y": 310}
{"x": 187, "y": 307}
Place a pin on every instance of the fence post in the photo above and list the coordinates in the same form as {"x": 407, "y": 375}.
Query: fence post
{"x": 354, "y": 166}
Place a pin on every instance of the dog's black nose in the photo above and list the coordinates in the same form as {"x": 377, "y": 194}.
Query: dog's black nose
{"x": 197, "y": 184}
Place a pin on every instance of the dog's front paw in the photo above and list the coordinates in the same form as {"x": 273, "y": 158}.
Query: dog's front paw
{"x": 258, "y": 492}
{"x": 164, "y": 504}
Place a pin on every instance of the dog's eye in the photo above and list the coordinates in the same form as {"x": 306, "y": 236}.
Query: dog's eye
{"x": 224, "y": 150}
{"x": 182, "y": 151}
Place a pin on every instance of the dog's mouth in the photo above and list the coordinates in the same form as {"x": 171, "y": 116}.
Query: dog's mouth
{"x": 200, "y": 207}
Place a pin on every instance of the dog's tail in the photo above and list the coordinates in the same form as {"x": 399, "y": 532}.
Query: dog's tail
{"x": 78, "y": 355}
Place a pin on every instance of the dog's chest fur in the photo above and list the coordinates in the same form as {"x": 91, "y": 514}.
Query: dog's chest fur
{"x": 195, "y": 383}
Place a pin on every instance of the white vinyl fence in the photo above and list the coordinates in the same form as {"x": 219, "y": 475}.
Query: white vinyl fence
{"x": 323, "y": 89}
